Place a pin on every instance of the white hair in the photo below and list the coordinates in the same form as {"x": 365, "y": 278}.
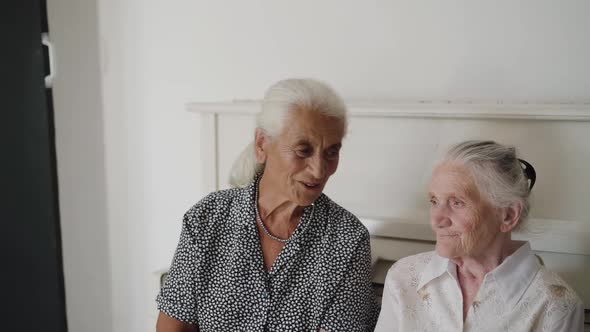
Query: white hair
{"x": 280, "y": 99}
{"x": 497, "y": 172}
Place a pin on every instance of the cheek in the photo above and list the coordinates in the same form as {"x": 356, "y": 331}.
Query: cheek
{"x": 472, "y": 229}
{"x": 332, "y": 166}
{"x": 465, "y": 219}
{"x": 295, "y": 165}
{"x": 476, "y": 229}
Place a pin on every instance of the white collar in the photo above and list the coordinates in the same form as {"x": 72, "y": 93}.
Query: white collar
{"x": 512, "y": 277}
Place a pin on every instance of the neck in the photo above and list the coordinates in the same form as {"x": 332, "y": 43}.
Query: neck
{"x": 273, "y": 206}
{"x": 475, "y": 267}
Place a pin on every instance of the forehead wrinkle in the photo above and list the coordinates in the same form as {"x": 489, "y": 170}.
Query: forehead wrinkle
{"x": 314, "y": 128}
{"x": 458, "y": 178}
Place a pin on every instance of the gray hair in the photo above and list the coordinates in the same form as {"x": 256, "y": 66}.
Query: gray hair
{"x": 497, "y": 172}
{"x": 280, "y": 99}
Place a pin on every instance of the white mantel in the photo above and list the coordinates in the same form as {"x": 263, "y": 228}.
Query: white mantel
{"x": 391, "y": 146}
{"x": 554, "y": 111}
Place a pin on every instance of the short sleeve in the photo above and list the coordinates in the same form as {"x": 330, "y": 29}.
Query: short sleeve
{"x": 354, "y": 306}
{"x": 177, "y": 298}
{"x": 388, "y": 318}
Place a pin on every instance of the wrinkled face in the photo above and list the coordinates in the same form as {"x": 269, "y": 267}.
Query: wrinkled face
{"x": 301, "y": 159}
{"x": 465, "y": 223}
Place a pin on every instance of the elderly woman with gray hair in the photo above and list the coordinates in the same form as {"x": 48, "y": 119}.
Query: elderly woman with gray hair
{"x": 275, "y": 253}
{"x": 478, "y": 279}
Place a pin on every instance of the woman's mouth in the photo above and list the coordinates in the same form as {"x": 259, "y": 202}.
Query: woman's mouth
{"x": 448, "y": 235}
{"x": 312, "y": 185}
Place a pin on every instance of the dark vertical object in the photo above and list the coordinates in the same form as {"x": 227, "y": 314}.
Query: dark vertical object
{"x": 31, "y": 272}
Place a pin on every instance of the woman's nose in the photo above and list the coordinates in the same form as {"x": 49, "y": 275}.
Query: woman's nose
{"x": 439, "y": 217}
{"x": 318, "y": 167}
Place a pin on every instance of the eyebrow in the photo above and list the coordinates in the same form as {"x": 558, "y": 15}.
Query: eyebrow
{"x": 452, "y": 195}
{"x": 303, "y": 141}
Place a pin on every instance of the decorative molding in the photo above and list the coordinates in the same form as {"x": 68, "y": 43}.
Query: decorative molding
{"x": 562, "y": 244}
{"x": 557, "y": 111}
{"x": 560, "y": 236}
{"x": 231, "y": 107}
{"x": 209, "y": 152}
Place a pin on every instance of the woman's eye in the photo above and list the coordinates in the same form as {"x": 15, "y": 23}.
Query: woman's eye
{"x": 332, "y": 153}
{"x": 303, "y": 153}
{"x": 432, "y": 201}
{"x": 457, "y": 203}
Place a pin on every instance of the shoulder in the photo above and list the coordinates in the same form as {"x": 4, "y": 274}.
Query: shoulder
{"x": 557, "y": 293}
{"x": 340, "y": 223}
{"x": 555, "y": 303}
{"x": 422, "y": 259}
{"x": 409, "y": 268}
{"x": 403, "y": 278}
{"x": 215, "y": 207}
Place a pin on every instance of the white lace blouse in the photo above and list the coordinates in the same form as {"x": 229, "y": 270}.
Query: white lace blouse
{"x": 422, "y": 293}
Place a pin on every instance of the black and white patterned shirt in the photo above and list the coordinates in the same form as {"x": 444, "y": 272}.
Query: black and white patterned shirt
{"x": 321, "y": 278}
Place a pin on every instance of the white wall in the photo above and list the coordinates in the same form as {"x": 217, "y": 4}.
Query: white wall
{"x": 80, "y": 149}
{"x": 158, "y": 55}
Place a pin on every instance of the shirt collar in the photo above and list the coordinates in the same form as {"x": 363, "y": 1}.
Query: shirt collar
{"x": 246, "y": 203}
{"x": 511, "y": 278}
{"x": 248, "y": 195}
{"x": 434, "y": 269}
{"x": 515, "y": 274}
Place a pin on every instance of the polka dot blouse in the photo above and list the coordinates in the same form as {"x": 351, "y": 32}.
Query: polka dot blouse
{"x": 321, "y": 278}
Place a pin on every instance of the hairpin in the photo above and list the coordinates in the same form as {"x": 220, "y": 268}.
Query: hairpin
{"x": 529, "y": 172}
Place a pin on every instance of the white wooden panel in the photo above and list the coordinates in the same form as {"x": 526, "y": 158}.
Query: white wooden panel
{"x": 559, "y": 236}
{"x": 390, "y": 150}
{"x": 466, "y": 109}
{"x": 209, "y": 152}
{"x": 386, "y": 164}
{"x": 236, "y": 131}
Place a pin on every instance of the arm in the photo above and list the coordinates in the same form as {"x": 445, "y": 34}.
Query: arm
{"x": 353, "y": 306}
{"x": 177, "y": 298}
{"x": 168, "y": 324}
{"x": 388, "y": 318}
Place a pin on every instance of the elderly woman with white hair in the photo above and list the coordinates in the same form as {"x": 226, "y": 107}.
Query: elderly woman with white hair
{"x": 275, "y": 253}
{"x": 478, "y": 278}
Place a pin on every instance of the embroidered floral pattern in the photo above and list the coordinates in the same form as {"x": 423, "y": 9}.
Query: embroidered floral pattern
{"x": 546, "y": 303}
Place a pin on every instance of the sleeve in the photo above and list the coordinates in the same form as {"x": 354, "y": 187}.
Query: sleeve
{"x": 573, "y": 321}
{"x": 177, "y": 298}
{"x": 354, "y": 307}
{"x": 388, "y": 318}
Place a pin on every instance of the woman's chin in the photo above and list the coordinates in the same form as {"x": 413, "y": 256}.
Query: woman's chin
{"x": 306, "y": 200}
{"x": 445, "y": 251}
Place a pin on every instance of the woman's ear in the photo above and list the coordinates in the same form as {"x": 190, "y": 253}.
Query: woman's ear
{"x": 510, "y": 217}
{"x": 260, "y": 146}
